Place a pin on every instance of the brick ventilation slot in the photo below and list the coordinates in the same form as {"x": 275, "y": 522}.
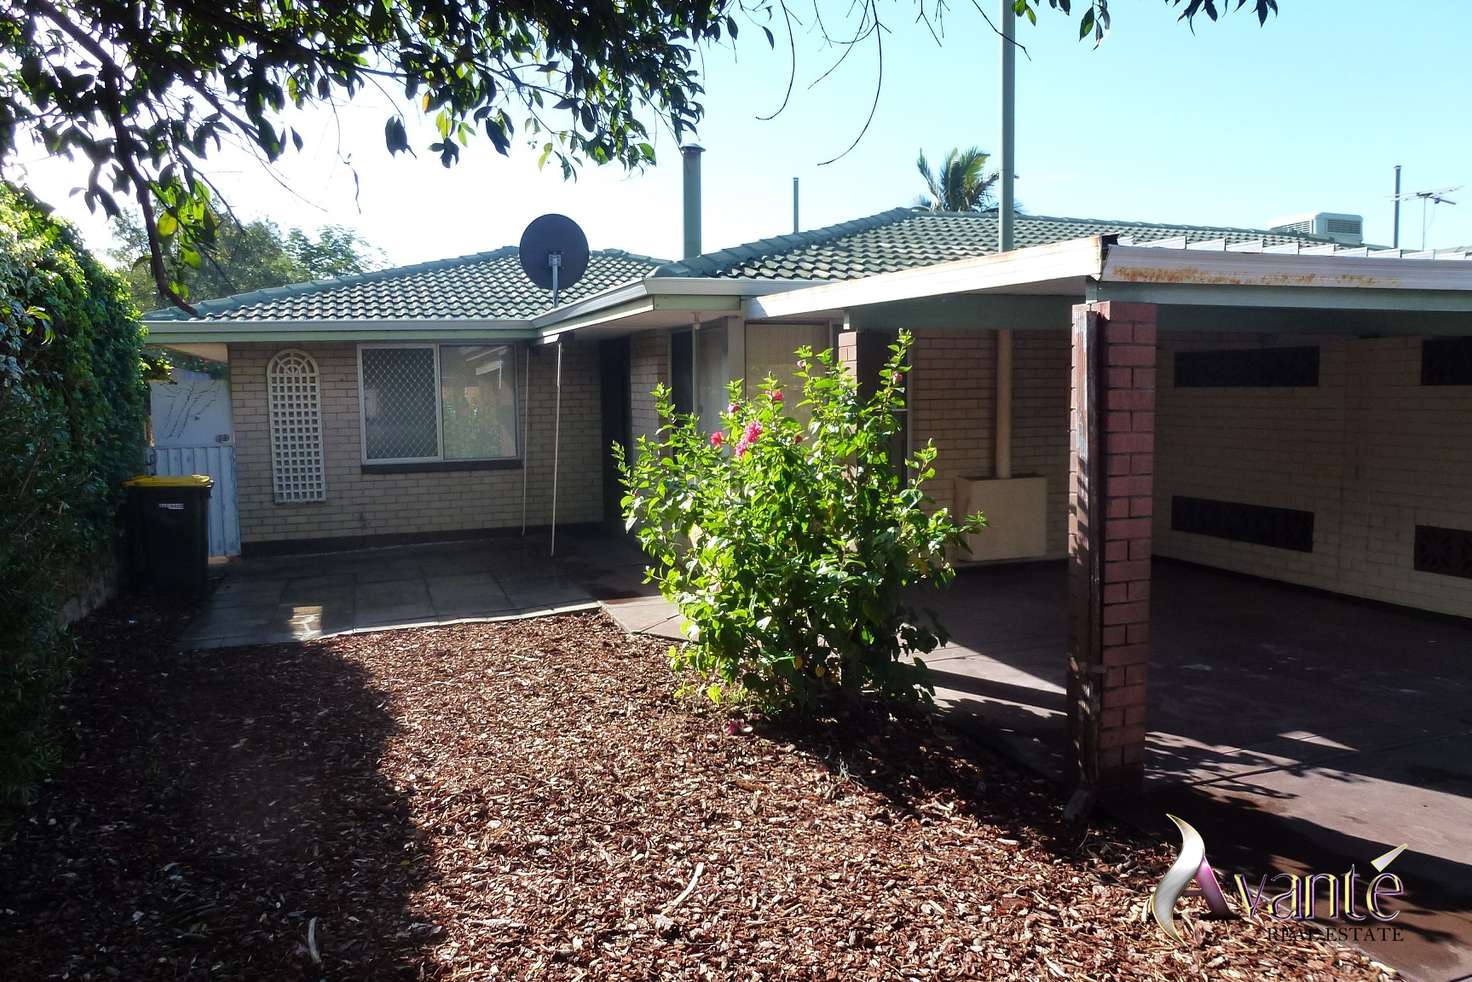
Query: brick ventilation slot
{"x": 1248, "y": 368}
{"x": 1444, "y": 551}
{"x": 1446, "y": 361}
{"x": 1281, "y": 528}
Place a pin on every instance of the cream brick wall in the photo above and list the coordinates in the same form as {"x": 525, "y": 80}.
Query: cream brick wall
{"x": 1041, "y": 365}
{"x": 1370, "y": 451}
{"x": 649, "y": 365}
{"x": 953, "y": 402}
{"x": 360, "y": 504}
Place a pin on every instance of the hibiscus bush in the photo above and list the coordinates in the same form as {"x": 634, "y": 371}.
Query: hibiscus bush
{"x": 789, "y": 548}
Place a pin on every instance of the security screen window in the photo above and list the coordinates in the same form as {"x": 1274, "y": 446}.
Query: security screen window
{"x": 433, "y": 403}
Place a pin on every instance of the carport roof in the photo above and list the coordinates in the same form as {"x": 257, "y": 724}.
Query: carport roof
{"x": 906, "y": 238}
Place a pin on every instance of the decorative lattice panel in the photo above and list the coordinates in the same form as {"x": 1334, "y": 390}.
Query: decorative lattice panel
{"x": 400, "y": 409}
{"x": 294, "y": 403}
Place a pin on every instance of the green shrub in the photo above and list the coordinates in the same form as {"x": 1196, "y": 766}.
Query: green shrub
{"x": 72, "y": 409}
{"x": 789, "y": 548}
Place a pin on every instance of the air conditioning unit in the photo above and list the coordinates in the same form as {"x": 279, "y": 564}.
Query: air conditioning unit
{"x": 1344, "y": 229}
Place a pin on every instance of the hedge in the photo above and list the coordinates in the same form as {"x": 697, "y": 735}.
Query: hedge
{"x": 73, "y": 406}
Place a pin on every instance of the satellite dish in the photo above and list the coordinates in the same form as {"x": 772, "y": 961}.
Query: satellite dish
{"x": 554, "y": 253}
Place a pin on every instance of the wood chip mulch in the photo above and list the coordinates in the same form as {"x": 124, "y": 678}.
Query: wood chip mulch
{"x": 531, "y": 800}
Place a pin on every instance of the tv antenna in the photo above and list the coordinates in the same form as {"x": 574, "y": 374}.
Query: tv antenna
{"x": 554, "y": 256}
{"x": 554, "y": 253}
{"x": 1429, "y": 200}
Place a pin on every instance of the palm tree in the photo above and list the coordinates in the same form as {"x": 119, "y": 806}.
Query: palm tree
{"x": 962, "y": 184}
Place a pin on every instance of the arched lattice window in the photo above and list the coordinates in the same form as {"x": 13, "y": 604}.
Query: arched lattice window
{"x": 295, "y": 411}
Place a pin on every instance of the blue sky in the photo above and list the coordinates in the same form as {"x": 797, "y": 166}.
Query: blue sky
{"x": 1234, "y": 125}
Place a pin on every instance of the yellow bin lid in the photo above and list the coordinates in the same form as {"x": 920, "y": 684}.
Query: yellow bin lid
{"x": 170, "y": 481}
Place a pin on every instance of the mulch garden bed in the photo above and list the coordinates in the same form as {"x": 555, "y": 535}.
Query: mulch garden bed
{"x": 531, "y": 799}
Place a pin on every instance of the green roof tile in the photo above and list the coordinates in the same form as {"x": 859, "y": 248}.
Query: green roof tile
{"x": 903, "y": 238}
{"x": 488, "y": 286}
{"x": 492, "y": 286}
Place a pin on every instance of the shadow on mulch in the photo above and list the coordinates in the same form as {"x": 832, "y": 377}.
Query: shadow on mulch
{"x": 913, "y": 761}
{"x": 218, "y": 814}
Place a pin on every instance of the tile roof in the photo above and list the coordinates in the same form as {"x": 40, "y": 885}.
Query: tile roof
{"x": 903, "y": 238}
{"x": 492, "y": 286}
{"x": 488, "y": 285}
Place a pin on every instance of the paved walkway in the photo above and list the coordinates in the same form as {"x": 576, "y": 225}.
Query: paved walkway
{"x": 295, "y": 598}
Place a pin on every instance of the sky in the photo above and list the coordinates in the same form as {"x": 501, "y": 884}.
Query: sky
{"x": 1232, "y": 125}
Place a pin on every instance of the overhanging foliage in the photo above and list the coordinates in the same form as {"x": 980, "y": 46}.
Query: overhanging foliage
{"x": 72, "y": 408}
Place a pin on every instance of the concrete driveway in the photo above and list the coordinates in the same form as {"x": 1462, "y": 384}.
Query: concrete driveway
{"x": 1296, "y": 730}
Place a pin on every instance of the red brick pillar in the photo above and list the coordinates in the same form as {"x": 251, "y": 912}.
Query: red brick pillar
{"x": 1112, "y": 466}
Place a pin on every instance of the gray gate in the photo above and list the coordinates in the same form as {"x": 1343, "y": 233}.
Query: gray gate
{"x": 218, "y": 461}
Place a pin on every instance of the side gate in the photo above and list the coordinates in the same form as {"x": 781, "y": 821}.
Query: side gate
{"x": 218, "y": 461}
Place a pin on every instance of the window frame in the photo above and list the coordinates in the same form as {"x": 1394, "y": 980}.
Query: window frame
{"x": 439, "y": 460}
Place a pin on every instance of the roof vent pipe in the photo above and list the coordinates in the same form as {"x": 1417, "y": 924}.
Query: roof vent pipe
{"x": 691, "y": 152}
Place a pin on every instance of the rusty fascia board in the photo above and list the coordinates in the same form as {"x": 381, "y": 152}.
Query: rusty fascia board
{"x": 1189, "y": 277}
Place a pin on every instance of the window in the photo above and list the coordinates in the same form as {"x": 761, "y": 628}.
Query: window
{"x": 1281, "y": 528}
{"x": 1248, "y": 368}
{"x": 1443, "y": 550}
{"x": 294, "y": 407}
{"x": 1446, "y": 361}
{"x": 445, "y": 402}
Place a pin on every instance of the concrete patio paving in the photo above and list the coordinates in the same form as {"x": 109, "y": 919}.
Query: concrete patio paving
{"x": 295, "y": 598}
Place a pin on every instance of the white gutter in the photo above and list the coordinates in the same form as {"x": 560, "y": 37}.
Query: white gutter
{"x": 245, "y": 329}
{"x": 1039, "y": 264}
{"x": 654, "y": 287}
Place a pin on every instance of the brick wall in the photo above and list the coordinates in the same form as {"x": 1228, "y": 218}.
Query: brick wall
{"x": 649, "y": 365}
{"x": 1370, "y": 451}
{"x": 953, "y": 402}
{"x": 1040, "y": 365}
{"x": 361, "y": 504}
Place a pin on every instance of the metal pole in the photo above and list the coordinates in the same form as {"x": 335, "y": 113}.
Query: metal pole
{"x": 1009, "y": 96}
{"x": 795, "y": 225}
{"x": 556, "y": 446}
{"x": 695, "y": 400}
{"x": 1002, "y": 408}
{"x": 526, "y": 422}
{"x": 1395, "y": 236}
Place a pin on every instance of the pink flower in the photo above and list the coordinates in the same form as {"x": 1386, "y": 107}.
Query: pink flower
{"x": 777, "y": 396}
{"x": 741, "y": 448}
{"x": 717, "y": 438}
{"x": 753, "y": 432}
{"x": 899, "y": 378}
{"x": 731, "y": 407}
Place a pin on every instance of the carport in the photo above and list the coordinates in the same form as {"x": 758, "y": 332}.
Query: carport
{"x": 1123, "y": 306}
{"x": 1264, "y": 455}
